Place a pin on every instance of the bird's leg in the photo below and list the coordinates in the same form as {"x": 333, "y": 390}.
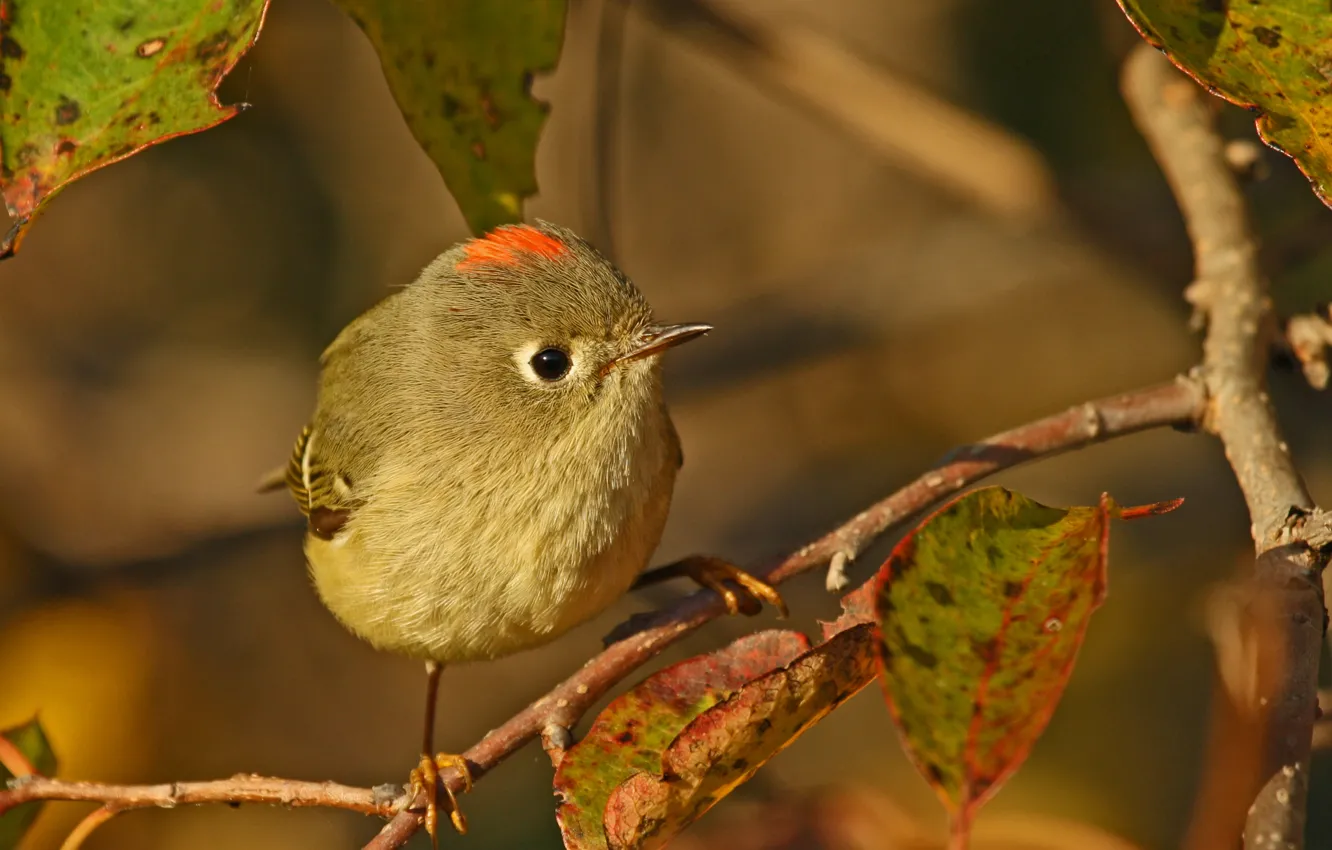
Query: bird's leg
{"x": 713, "y": 573}
{"x": 426, "y": 775}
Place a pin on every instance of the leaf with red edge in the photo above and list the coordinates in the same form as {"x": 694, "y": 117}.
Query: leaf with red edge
{"x": 631, "y": 733}
{"x": 982, "y": 610}
{"x": 857, "y": 608}
{"x": 725, "y": 746}
{"x": 1267, "y": 55}
{"x": 25, "y": 749}
{"x": 86, "y": 84}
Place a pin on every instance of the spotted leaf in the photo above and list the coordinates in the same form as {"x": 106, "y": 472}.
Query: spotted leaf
{"x": 1274, "y": 56}
{"x": 982, "y": 610}
{"x": 83, "y": 85}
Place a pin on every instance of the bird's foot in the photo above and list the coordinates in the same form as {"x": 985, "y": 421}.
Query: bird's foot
{"x": 426, "y": 778}
{"x": 714, "y": 573}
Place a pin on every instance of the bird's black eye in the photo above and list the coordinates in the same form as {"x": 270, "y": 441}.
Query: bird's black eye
{"x": 550, "y": 364}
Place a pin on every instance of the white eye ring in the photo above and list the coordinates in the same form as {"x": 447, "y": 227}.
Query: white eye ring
{"x": 544, "y": 364}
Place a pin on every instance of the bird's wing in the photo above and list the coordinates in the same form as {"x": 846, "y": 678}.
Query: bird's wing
{"x": 322, "y": 492}
{"x": 330, "y": 452}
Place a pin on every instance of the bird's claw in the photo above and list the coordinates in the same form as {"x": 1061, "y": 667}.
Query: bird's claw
{"x": 713, "y": 573}
{"x": 426, "y": 778}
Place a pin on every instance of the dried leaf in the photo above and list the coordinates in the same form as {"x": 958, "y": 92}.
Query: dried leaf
{"x": 857, "y": 608}
{"x": 84, "y": 84}
{"x": 1269, "y": 55}
{"x": 726, "y": 745}
{"x": 631, "y": 733}
{"x": 30, "y": 740}
{"x": 982, "y": 610}
{"x": 461, "y": 73}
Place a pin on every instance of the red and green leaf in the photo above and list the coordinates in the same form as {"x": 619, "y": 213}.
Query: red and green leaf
{"x": 83, "y": 85}
{"x": 631, "y": 734}
{"x": 725, "y": 746}
{"x": 1269, "y": 55}
{"x": 26, "y": 743}
{"x": 461, "y": 73}
{"x": 982, "y": 610}
{"x": 667, "y": 751}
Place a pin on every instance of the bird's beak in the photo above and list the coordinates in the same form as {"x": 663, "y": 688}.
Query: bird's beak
{"x": 657, "y": 338}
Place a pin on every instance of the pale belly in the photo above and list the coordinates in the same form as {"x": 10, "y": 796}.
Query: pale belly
{"x": 496, "y": 581}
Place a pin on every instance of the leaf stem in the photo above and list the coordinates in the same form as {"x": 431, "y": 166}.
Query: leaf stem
{"x": 95, "y": 818}
{"x": 14, "y": 761}
{"x": 959, "y": 831}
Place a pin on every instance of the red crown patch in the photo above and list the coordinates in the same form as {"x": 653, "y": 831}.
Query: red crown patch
{"x": 510, "y": 245}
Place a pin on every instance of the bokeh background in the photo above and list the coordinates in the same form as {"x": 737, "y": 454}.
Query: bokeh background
{"x": 159, "y": 332}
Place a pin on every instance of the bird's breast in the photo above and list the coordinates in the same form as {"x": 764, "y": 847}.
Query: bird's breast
{"x": 479, "y": 556}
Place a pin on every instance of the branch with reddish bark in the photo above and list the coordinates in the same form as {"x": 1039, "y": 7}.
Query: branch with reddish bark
{"x": 1280, "y": 614}
{"x": 1180, "y": 404}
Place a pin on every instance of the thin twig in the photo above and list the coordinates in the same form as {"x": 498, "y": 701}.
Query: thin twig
{"x": 95, "y": 818}
{"x": 1179, "y": 403}
{"x": 243, "y": 788}
{"x": 1284, "y": 608}
{"x": 958, "y": 150}
{"x": 603, "y": 160}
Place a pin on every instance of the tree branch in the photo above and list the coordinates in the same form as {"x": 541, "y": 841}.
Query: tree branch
{"x": 1284, "y": 609}
{"x": 242, "y": 788}
{"x": 1180, "y": 403}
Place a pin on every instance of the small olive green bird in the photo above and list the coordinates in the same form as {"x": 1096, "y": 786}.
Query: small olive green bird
{"x": 490, "y": 461}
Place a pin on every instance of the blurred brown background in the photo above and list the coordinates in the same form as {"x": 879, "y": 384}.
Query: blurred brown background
{"x": 159, "y": 330}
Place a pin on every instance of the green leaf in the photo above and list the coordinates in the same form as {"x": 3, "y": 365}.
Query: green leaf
{"x": 461, "y": 72}
{"x": 1269, "y": 55}
{"x": 982, "y": 610}
{"x": 630, "y": 735}
{"x": 30, "y": 740}
{"x": 84, "y": 84}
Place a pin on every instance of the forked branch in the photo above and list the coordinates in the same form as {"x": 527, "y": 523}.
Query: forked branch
{"x": 1284, "y": 600}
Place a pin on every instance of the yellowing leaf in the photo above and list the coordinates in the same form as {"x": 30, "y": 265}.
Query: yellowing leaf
{"x": 1270, "y": 55}
{"x": 84, "y": 84}
{"x": 982, "y": 610}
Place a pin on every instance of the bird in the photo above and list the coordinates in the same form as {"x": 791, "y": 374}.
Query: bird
{"x": 490, "y": 462}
